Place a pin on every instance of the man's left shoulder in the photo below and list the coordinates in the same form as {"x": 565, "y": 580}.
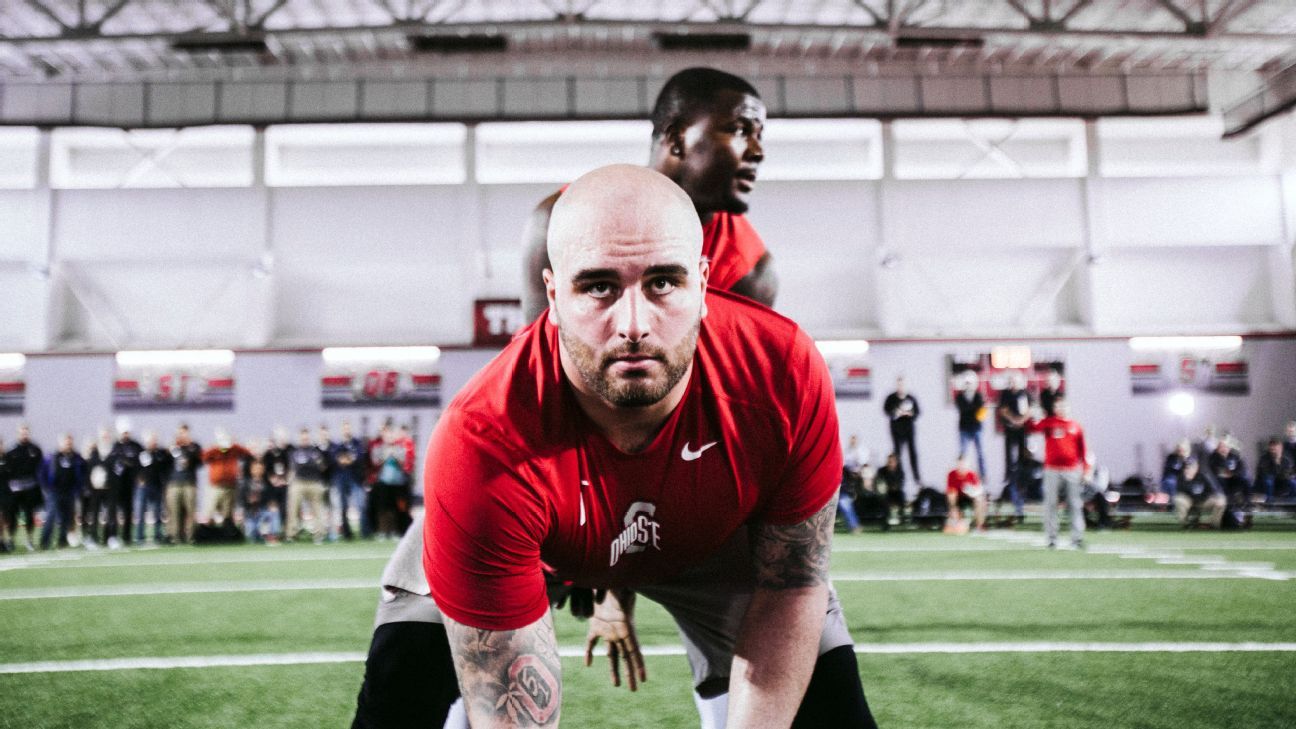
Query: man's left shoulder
{"x": 751, "y": 355}
{"x": 750, "y": 331}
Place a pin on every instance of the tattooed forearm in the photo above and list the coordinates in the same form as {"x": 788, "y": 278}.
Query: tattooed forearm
{"x": 509, "y": 678}
{"x": 794, "y": 555}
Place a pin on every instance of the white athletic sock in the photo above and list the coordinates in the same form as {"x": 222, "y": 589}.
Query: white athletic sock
{"x": 714, "y": 711}
{"x": 457, "y": 718}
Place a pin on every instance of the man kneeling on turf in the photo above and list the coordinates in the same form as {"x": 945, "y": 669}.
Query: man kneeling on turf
{"x": 963, "y": 489}
{"x": 624, "y": 441}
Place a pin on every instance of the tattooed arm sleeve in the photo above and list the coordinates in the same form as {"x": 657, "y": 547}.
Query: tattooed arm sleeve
{"x": 508, "y": 678}
{"x": 779, "y": 640}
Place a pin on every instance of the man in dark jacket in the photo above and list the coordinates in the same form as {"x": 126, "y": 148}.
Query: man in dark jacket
{"x": 156, "y": 465}
{"x": 182, "y": 487}
{"x": 275, "y": 478}
{"x": 1014, "y": 412}
{"x": 1199, "y": 492}
{"x": 64, "y": 475}
{"x": 23, "y": 463}
{"x": 123, "y": 464}
{"x": 1172, "y": 469}
{"x": 350, "y": 457}
{"x": 310, "y": 468}
{"x": 6, "y": 499}
{"x": 1275, "y": 473}
{"x": 1229, "y": 471}
{"x": 901, "y": 409}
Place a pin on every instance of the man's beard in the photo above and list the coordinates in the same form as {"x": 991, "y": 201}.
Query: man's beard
{"x": 631, "y": 392}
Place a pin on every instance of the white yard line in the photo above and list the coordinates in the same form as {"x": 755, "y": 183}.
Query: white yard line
{"x": 187, "y": 588}
{"x": 291, "y": 659}
{"x": 191, "y": 588}
{"x": 1018, "y": 575}
{"x": 270, "y": 559}
{"x": 1212, "y": 564}
{"x": 974, "y": 547}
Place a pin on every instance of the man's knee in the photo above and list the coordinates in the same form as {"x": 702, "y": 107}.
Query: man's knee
{"x": 409, "y": 678}
{"x": 835, "y": 696}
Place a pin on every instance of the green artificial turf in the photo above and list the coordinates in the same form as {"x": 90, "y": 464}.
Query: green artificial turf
{"x": 1050, "y": 689}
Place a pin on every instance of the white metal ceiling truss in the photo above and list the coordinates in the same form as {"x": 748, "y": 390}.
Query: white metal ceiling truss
{"x": 74, "y": 37}
{"x": 121, "y": 62}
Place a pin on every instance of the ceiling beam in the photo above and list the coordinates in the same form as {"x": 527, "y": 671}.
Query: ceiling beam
{"x": 615, "y": 27}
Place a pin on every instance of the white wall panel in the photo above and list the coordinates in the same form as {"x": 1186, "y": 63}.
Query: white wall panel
{"x": 396, "y": 225}
{"x": 978, "y": 214}
{"x": 820, "y": 236}
{"x": 557, "y": 153}
{"x": 504, "y": 212}
{"x": 1219, "y": 210}
{"x": 22, "y": 309}
{"x": 370, "y": 265}
{"x": 1206, "y": 289}
{"x": 417, "y": 300}
{"x": 989, "y": 148}
{"x": 18, "y": 157}
{"x": 113, "y": 158}
{"x": 365, "y": 154}
{"x": 199, "y": 225}
{"x": 989, "y": 290}
{"x": 172, "y": 305}
{"x": 1179, "y": 147}
{"x": 23, "y": 225}
{"x": 816, "y": 149}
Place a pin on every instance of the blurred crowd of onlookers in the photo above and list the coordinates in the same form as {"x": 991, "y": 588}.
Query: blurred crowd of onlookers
{"x": 1210, "y": 476}
{"x": 1203, "y": 481}
{"x": 115, "y": 490}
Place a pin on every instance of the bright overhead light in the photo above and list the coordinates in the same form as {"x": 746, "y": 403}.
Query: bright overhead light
{"x": 835, "y": 347}
{"x": 1145, "y": 344}
{"x": 342, "y": 355}
{"x": 176, "y": 358}
{"x": 1182, "y": 404}
{"x": 12, "y": 360}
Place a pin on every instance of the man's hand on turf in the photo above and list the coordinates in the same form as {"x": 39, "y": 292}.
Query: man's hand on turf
{"x": 613, "y": 623}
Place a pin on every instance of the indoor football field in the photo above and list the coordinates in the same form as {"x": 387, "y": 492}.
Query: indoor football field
{"x": 1153, "y": 627}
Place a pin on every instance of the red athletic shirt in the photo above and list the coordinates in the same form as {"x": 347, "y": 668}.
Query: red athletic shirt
{"x": 956, "y": 481}
{"x": 1064, "y": 443}
{"x": 732, "y": 246}
{"x": 523, "y": 476}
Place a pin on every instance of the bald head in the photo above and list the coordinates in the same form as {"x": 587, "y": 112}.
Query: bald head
{"x": 621, "y": 204}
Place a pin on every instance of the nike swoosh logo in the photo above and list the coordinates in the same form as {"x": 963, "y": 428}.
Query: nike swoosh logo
{"x": 689, "y": 454}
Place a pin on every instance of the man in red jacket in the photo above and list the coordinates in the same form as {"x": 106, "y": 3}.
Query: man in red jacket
{"x": 224, "y": 463}
{"x": 1065, "y": 462}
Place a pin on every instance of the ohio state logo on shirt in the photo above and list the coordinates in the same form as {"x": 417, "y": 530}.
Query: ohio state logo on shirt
{"x": 641, "y": 531}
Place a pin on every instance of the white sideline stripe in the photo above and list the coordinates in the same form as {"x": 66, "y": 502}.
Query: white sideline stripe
{"x": 205, "y": 562}
{"x": 290, "y": 659}
{"x": 1210, "y": 565}
{"x": 948, "y": 648}
{"x": 920, "y": 550}
{"x": 1015, "y": 575}
{"x": 188, "y": 588}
